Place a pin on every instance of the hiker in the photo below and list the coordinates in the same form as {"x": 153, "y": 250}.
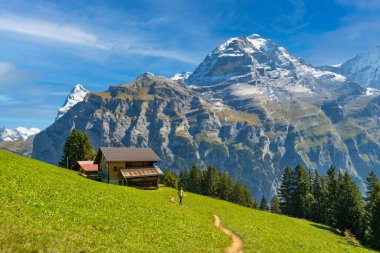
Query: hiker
{"x": 180, "y": 195}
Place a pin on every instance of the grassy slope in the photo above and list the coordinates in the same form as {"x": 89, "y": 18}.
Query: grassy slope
{"x": 46, "y": 208}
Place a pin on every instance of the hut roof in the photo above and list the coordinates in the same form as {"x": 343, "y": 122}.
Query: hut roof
{"x": 127, "y": 155}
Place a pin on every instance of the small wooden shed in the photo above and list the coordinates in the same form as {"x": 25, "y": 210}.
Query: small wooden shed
{"x": 87, "y": 168}
{"x": 128, "y": 166}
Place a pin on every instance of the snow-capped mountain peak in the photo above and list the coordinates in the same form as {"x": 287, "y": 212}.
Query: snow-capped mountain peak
{"x": 78, "y": 88}
{"x": 256, "y": 40}
{"x": 76, "y": 95}
{"x": 256, "y": 60}
{"x": 19, "y": 133}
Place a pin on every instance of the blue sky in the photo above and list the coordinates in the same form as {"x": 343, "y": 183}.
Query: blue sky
{"x": 49, "y": 46}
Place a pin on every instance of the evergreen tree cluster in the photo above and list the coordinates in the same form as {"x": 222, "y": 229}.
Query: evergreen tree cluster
{"x": 77, "y": 148}
{"x": 333, "y": 200}
{"x": 170, "y": 179}
{"x": 210, "y": 182}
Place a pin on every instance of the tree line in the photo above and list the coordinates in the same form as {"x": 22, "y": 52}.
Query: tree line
{"x": 333, "y": 200}
{"x": 210, "y": 182}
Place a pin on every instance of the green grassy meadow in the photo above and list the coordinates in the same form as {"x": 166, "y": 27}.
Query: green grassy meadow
{"x": 44, "y": 208}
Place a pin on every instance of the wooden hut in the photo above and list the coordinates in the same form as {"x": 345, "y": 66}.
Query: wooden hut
{"x": 87, "y": 169}
{"x": 128, "y": 166}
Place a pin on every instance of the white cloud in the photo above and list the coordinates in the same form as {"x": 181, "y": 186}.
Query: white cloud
{"x": 51, "y": 31}
{"x": 64, "y": 33}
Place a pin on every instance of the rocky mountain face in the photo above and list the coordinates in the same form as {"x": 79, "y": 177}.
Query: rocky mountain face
{"x": 76, "y": 95}
{"x": 363, "y": 68}
{"x": 249, "y": 108}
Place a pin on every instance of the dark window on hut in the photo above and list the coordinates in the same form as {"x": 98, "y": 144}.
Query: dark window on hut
{"x": 115, "y": 168}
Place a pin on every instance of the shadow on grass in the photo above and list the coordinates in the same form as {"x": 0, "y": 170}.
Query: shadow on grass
{"x": 350, "y": 239}
{"x": 332, "y": 230}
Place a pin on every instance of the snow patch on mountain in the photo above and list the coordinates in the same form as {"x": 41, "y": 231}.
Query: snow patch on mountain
{"x": 76, "y": 95}
{"x": 372, "y": 91}
{"x": 181, "y": 76}
{"x": 256, "y": 40}
{"x": 336, "y": 65}
{"x": 243, "y": 90}
{"x": 19, "y": 133}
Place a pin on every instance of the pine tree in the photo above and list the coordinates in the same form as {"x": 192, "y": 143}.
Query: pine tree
{"x": 242, "y": 196}
{"x": 249, "y": 201}
{"x": 349, "y": 206}
{"x": 264, "y": 204}
{"x": 275, "y": 204}
{"x": 371, "y": 235}
{"x": 286, "y": 192}
{"x": 319, "y": 206}
{"x": 195, "y": 180}
{"x": 226, "y": 186}
{"x": 309, "y": 198}
{"x": 331, "y": 184}
{"x": 77, "y": 148}
{"x": 183, "y": 179}
{"x": 371, "y": 181}
{"x": 375, "y": 221}
{"x": 210, "y": 181}
{"x": 301, "y": 193}
{"x": 237, "y": 193}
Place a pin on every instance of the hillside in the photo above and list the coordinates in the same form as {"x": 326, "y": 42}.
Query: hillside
{"x": 45, "y": 208}
{"x": 19, "y": 147}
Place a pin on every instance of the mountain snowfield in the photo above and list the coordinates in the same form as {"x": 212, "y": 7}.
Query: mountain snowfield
{"x": 250, "y": 108}
{"x": 363, "y": 68}
{"x": 76, "y": 95}
{"x": 18, "y": 134}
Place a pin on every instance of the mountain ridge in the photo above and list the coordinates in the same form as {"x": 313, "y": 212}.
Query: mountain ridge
{"x": 252, "y": 122}
{"x": 362, "y": 68}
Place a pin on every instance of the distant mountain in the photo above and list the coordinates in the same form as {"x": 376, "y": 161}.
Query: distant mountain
{"x": 18, "y": 140}
{"x": 250, "y": 108}
{"x": 181, "y": 76}
{"x": 76, "y": 95}
{"x": 363, "y": 68}
{"x": 18, "y": 134}
{"x": 23, "y": 148}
